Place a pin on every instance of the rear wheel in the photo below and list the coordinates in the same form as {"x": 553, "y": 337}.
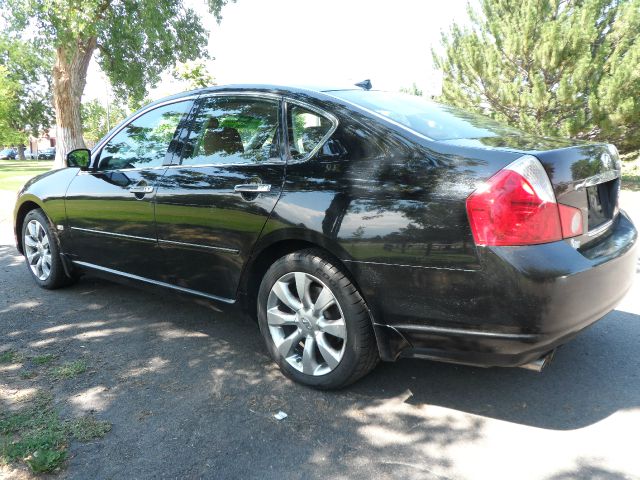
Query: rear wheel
{"x": 41, "y": 251}
{"x": 314, "y": 322}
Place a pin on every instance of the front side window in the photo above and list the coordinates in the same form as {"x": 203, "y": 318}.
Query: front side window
{"x": 306, "y": 130}
{"x": 230, "y": 130}
{"x": 144, "y": 142}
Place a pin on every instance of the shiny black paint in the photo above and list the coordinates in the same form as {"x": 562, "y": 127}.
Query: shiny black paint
{"x": 389, "y": 205}
{"x": 388, "y": 198}
{"x": 45, "y": 191}
{"x": 206, "y": 230}
{"x": 111, "y": 226}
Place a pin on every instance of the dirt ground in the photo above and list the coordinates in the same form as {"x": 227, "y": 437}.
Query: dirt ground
{"x": 191, "y": 393}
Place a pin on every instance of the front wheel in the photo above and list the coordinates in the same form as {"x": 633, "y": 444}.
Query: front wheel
{"x": 314, "y": 322}
{"x": 41, "y": 251}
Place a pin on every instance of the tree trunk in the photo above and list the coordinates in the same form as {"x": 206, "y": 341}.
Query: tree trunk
{"x": 21, "y": 152}
{"x": 69, "y": 80}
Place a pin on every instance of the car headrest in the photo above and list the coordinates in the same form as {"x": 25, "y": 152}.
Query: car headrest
{"x": 311, "y": 136}
{"x": 225, "y": 140}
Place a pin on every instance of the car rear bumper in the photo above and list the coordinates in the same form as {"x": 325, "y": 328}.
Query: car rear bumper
{"x": 521, "y": 304}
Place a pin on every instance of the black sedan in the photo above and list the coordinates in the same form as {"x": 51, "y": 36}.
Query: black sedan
{"x": 355, "y": 225}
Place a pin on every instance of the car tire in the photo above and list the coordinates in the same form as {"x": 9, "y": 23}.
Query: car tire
{"x": 42, "y": 252}
{"x": 322, "y": 338}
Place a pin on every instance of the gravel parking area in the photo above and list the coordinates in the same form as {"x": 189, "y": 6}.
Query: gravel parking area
{"x": 190, "y": 393}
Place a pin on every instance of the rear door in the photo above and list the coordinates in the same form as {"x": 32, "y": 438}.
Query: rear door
{"x": 110, "y": 209}
{"x": 212, "y": 206}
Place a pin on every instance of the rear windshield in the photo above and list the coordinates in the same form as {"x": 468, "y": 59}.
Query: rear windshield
{"x": 436, "y": 121}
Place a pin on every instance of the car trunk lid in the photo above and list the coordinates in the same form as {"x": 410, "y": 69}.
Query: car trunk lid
{"x": 584, "y": 175}
{"x": 587, "y": 177}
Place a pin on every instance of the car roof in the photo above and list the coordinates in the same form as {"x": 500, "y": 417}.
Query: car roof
{"x": 307, "y": 88}
{"x": 318, "y": 91}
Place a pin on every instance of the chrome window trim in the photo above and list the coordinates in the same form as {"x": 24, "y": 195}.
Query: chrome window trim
{"x": 221, "y": 165}
{"x": 93, "y": 172}
{"x": 379, "y": 115}
{"x": 329, "y": 116}
{"x": 232, "y": 93}
{"x": 100, "y": 146}
{"x": 153, "y": 282}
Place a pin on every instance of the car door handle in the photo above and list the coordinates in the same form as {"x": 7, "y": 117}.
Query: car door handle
{"x": 141, "y": 189}
{"x": 253, "y": 188}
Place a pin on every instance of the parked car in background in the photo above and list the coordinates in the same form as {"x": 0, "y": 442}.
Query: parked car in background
{"x": 47, "y": 154}
{"x": 30, "y": 155}
{"x": 356, "y": 225}
{"x": 8, "y": 154}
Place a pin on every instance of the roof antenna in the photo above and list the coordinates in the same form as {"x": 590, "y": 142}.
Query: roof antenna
{"x": 365, "y": 84}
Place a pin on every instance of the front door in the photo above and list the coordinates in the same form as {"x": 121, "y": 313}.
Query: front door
{"x": 110, "y": 208}
{"x": 212, "y": 206}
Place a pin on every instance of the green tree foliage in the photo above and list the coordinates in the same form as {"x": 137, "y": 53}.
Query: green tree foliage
{"x": 551, "y": 67}
{"x": 26, "y": 65}
{"x": 97, "y": 121}
{"x": 8, "y": 105}
{"x": 135, "y": 40}
{"x": 195, "y": 73}
{"x": 412, "y": 90}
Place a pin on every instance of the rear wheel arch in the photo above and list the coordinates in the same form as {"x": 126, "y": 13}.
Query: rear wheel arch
{"x": 266, "y": 253}
{"x": 266, "y": 256}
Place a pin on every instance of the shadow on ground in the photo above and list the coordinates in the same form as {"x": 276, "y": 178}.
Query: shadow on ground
{"x": 194, "y": 387}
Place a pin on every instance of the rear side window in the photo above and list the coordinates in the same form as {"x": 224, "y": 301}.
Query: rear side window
{"x": 234, "y": 130}
{"x": 144, "y": 141}
{"x": 307, "y": 129}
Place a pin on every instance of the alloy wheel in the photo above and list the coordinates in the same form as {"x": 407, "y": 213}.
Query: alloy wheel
{"x": 306, "y": 323}
{"x": 37, "y": 249}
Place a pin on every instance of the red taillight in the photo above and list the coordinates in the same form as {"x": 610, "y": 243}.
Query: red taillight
{"x": 517, "y": 206}
{"x": 570, "y": 220}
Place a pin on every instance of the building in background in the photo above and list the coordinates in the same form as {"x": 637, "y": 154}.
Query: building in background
{"x": 46, "y": 140}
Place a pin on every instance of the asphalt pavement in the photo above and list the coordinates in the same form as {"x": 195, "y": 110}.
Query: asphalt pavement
{"x": 191, "y": 393}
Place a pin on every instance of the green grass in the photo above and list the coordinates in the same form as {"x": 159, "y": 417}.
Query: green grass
{"x": 14, "y": 173}
{"x": 631, "y": 170}
{"x": 631, "y": 163}
{"x": 39, "y": 361}
{"x": 37, "y": 436}
{"x": 28, "y": 374}
{"x": 11, "y": 356}
{"x": 88, "y": 428}
{"x": 69, "y": 370}
{"x": 43, "y": 359}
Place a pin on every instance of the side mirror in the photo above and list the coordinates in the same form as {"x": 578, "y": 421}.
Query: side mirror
{"x": 79, "y": 158}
